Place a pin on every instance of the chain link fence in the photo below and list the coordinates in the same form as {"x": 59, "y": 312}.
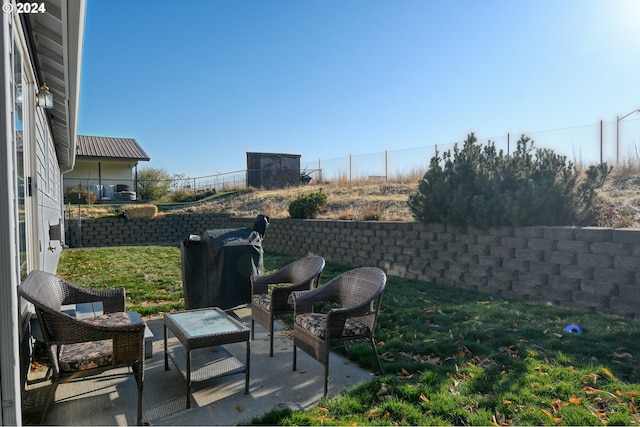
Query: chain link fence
{"x": 616, "y": 143}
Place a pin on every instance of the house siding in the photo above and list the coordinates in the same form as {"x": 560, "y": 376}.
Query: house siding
{"x": 48, "y": 196}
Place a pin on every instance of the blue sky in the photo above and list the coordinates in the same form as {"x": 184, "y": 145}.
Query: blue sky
{"x": 198, "y": 83}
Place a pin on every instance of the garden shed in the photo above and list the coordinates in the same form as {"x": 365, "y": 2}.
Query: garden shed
{"x": 273, "y": 170}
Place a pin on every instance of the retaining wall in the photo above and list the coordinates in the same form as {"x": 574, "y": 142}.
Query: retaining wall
{"x": 592, "y": 268}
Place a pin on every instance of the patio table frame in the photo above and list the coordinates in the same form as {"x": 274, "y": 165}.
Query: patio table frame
{"x": 229, "y": 330}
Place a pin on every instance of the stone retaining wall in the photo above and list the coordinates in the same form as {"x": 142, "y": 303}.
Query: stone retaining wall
{"x": 592, "y": 268}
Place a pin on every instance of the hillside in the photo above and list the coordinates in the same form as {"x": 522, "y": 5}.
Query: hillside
{"x": 350, "y": 201}
{"x": 384, "y": 201}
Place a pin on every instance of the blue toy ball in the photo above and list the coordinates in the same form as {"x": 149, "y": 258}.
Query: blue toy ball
{"x": 573, "y": 329}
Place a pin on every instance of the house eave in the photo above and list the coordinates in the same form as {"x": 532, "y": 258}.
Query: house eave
{"x": 105, "y": 159}
{"x": 58, "y": 37}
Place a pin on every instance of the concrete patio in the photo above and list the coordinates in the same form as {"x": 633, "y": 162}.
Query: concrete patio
{"x": 219, "y": 401}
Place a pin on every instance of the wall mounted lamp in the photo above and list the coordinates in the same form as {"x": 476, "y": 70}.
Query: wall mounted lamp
{"x": 18, "y": 94}
{"x": 45, "y": 99}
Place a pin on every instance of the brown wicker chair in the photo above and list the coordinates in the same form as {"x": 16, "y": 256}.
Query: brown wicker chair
{"x": 85, "y": 347}
{"x": 303, "y": 274}
{"x": 358, "y": 292}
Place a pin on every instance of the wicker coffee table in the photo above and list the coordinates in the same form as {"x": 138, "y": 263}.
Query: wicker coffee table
{"x": 201, "y": 328}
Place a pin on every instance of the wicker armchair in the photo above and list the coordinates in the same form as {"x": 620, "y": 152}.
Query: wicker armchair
{"x": 85, "y": 347}
{"x": 303, "y": 274}
{"x": 359, "y": 292}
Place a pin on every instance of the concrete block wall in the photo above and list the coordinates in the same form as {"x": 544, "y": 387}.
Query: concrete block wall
{"x": 162, "y": 230}
{"x": 597, "y": 269}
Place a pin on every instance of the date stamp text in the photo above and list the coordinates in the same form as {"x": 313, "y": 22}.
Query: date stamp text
{"x": 26, "y": 7}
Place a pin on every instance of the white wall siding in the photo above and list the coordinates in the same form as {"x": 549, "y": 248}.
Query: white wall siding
{"x": 47, "y": 193}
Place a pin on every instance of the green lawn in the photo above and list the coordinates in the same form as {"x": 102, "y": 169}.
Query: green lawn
{"x": 451, "y": 356}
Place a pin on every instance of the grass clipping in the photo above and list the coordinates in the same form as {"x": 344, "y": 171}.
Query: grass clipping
{"x": 140, "y": 211}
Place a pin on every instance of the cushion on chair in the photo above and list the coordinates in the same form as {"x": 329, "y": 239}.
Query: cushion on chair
{"x": 92, "y": 354}
{"x": 86, "y": 355}
{"x": 110, "y": 320}
{"x": 316, "y": 324}
{"x": 264, "y": 301}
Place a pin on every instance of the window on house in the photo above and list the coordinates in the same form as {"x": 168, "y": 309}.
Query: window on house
{"x": 19, "y": 153}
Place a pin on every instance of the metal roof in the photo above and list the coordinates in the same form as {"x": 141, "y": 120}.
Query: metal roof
{"x": 56, "y": 39}
{"x": 104, "y": 147}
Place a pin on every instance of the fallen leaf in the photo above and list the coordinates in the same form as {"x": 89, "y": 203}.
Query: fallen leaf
{"x": 594, "y": 377}
{"x": 591, "y": 390}
{"x": 424, "y": 398}
{"x": 574, "y": 400}
{"x": 557, "y": 404}
{"x": 375, "y": 412}
{"x": 608, "y": 373}
{"x": 323, "y": 410}
{"x": 622, "y": 355}
{"x": 239, "y": 408}
{"x": 547, "y": 413}
{"x": 384, "y": 389}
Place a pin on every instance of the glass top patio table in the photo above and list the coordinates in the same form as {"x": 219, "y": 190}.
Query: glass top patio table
{"x": 205, "y": 327}
{"x": 206, "y": 322}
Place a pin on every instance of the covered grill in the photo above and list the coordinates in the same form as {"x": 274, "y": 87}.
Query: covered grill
{"x": 217, "y": 266}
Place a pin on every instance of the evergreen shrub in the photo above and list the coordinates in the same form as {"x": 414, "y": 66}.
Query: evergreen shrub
{"x": 482, "y": 187}
{"x": 307, "y": 206}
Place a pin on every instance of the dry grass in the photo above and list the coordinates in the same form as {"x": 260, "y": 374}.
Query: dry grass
{"x": 90, "y": 211}
{"x": 386, "y": 201}
{"x": 382, "y": 201}
{"x": 621, "y": 196}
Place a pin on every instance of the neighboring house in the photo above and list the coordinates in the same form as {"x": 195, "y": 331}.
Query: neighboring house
{"x": 108, "y": 167}
{"x": 38, "y": 145}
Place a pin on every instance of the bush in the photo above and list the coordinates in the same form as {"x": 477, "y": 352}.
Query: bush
{"x": 80, "y": 196}
{"x": 308, "y": 206}
{"x": 182, "y": 196}
{"x": 152, "y": 184}
{"x": 481, "y": 187}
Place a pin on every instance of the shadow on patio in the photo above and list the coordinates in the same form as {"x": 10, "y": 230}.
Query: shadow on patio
{"x": 111, "y": 400}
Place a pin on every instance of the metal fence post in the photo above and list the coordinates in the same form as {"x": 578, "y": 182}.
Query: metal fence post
{"x": 386, "y": 165}
{"x": 600, "y": 141}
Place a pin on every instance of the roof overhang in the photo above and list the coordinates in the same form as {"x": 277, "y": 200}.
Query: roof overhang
{"x": 56, "y": 39}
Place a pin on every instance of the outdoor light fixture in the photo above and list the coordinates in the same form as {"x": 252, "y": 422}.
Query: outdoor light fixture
{"x": 45, "y": 99}
{"x": 19, "y": 94}
{"x": 618, "y": 133}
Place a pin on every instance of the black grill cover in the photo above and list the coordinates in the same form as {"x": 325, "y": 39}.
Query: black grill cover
{"x": 216, "y": 269}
